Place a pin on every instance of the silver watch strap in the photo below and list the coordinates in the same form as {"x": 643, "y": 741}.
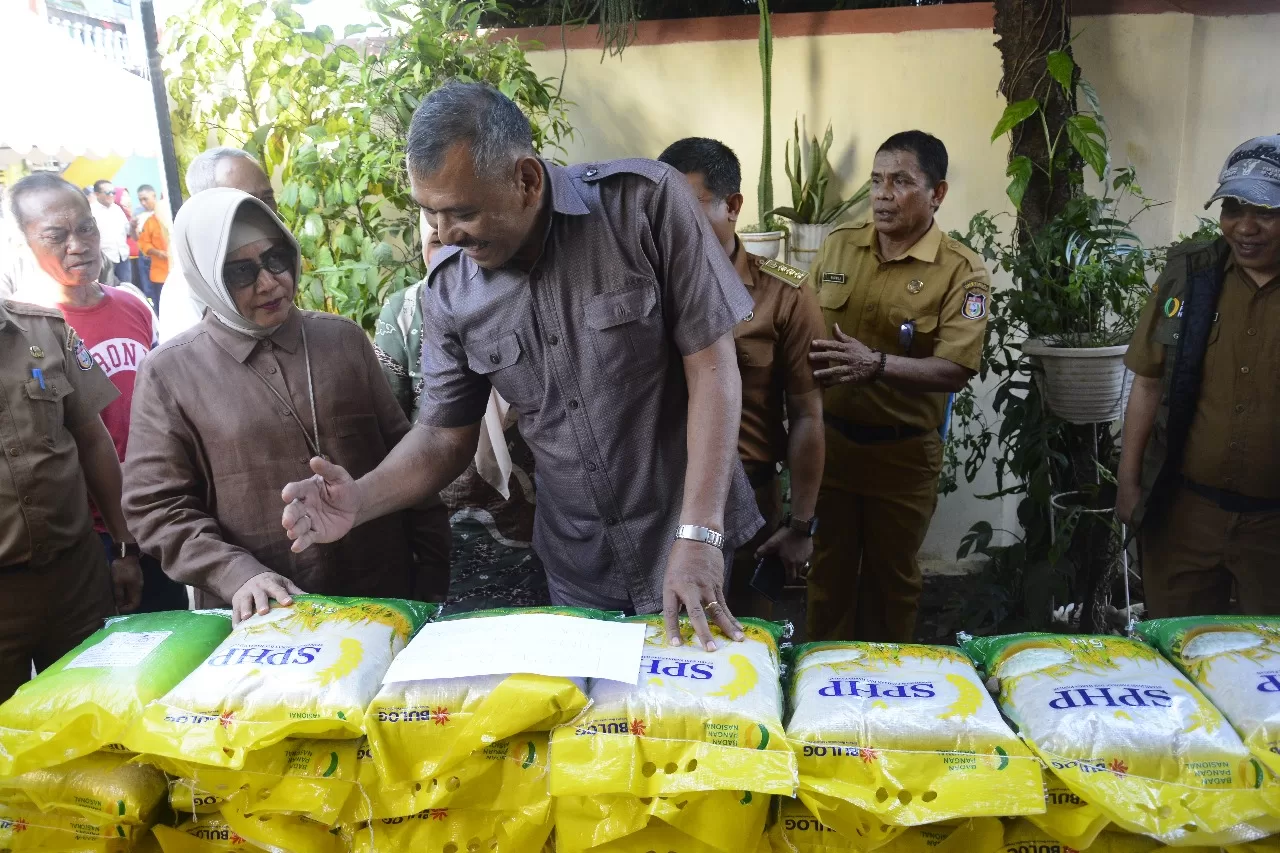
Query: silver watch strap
{"x": 695, "y": 533}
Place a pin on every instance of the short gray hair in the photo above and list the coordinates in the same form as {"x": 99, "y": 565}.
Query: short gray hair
{"x": 202, "y": 174}
{"x": 489, "y": 123}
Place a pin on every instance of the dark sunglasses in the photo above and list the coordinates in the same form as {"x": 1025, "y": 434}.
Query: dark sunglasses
{"x": 276, "y": 260}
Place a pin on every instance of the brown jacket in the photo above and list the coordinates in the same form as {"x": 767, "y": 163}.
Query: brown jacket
{"x": 210, "y": 447}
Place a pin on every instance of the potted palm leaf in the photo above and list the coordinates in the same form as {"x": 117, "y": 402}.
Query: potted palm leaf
{"x": 815, "y": 206}
{"x": 765, "y": 238}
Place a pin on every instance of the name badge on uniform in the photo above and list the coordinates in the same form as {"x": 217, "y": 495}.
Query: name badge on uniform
{"x": 834, "y": 278}
{"x": 915, "y": 286}
{"x": 975, "y": 305}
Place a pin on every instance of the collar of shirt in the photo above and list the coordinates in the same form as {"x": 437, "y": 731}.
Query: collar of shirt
{"x": 925, "y": 249}
{"x": 288, "y": 337}
{"x": 742, "y": 262}
{"x": 1254, "y": 287}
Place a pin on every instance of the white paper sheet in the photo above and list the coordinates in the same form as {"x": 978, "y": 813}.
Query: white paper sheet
{"x": 533, "y": 643}
{"x": 121, "y": 649}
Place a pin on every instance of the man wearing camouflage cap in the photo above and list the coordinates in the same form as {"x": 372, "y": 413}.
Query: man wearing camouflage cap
{"x": 1200, "y": 470}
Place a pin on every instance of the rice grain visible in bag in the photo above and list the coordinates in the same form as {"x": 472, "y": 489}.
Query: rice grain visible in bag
{"x": 907, "y": 733}
{"x": 306, "y": 670}
{"x": 88, "y": 699}
{"x": 696, "y": 721}
{"x": 1126, "y": 732}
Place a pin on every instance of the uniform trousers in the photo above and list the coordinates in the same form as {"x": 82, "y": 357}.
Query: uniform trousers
{"x": 743, "y": 600}
{"x": 1191, "y": 559}
{"x": 876, "y": 502}
{"x": 49, "y": 607}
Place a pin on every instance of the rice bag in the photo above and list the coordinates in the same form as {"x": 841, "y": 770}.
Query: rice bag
{"x": 308, "y": 777}
{"x": 308, "y": 669}
{"x": 284, "y": 833}
{"x": 188, "y": 800}
{"x": 99, "y": 785}
{"x": 797, "y": 831}
{"x": 1067, "y": 817}
{"x": 696, "y": 721}
{"x": 1235, "y": 661}
{"x": 724, "y": 821}
{"x": 1023, "y": 836}
{"x": 505, "y": 776}
{"x": 1126, "y": 732}
{"x": 24, "y": 828}
{"x": 90, "y": 697}
{"x": 421, "y": 729}
{"x": 905, "y": 732}
{"x": 205, "y": 834}
{"x": 455, "y": 830}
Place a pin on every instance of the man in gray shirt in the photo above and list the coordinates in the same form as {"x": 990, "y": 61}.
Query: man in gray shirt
{"x": 598, "y": 302}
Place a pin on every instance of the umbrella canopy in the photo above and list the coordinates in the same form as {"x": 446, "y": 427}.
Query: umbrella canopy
{"x": 62, "y": 101}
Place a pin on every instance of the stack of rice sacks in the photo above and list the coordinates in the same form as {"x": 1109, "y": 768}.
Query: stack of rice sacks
{"x": 461, "y": 763}
{"x": 893, "y": 739}
{"x": 1132, "y": 744}
{"x": 67, "y": 781}
{"x": 684, "y": 760}
{"x": 263, "y": 738}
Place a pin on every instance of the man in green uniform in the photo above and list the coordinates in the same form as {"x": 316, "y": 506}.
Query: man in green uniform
{"x": 55, "y": 588}
{"x": 906, "y": 308}
{"x": 781, "y": 401}
{"x": 1200, "y": 470}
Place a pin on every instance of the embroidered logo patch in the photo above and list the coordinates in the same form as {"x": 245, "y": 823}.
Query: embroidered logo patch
{"x": 1173, "y": 307}
{"x": 834, "y": 278}
{"x": 83, "y": 359}
{"x": 975, "y": 305}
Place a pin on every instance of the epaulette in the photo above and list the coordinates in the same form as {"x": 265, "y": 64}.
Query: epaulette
{"x": 783, "y": 272}
{"x": 971, "y": 257}
{"x": 31, "y": 310}
{"x": 592, "y": 172}
{"x": 852, "y": 225}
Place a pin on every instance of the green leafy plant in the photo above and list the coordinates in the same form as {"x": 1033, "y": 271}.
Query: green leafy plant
{"x": 810, "y": 204}
{"x": 764, "y": 188}
{"x": 329, "y": 123}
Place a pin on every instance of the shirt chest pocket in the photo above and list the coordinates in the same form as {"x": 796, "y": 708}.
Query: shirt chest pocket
{"x": 359, "y": 443}
{"x": 755, "y": 354}
{"x": 627, "y": 331}
{"x": 1168, "y": 333}
{"x": 503, "y": 361}
{"x": 47, "y": 400}
{"x": 909, "y": 332}
{"x": 833, "y": 296}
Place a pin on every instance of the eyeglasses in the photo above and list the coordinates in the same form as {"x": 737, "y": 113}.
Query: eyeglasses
{"x": 240, "y": 274}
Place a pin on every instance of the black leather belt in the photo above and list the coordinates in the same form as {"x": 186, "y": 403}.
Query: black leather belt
{"x": 867, "y": 434}
{"x": 1232, "y": 501}
{"x": 760, "y": 474}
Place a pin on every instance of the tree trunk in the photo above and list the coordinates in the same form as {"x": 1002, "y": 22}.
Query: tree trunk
{"x": 1028, "y": 30}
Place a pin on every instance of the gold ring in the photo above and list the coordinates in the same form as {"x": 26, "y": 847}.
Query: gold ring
{"x": 710, "y": 604}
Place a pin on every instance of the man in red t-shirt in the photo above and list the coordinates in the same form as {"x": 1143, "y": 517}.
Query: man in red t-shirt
{"x": 118, "y": 329}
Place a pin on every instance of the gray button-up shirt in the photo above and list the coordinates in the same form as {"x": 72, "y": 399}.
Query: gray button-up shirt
{"x": 587, "y": 348}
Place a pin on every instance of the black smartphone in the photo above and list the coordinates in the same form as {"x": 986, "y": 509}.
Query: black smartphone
{"x": 770, "y": 577}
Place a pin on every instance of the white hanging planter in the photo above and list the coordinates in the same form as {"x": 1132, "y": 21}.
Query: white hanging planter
{"x": 766, "y": 244}
{"x": 805, "y": 242}
{"x": 1083, "y": 385}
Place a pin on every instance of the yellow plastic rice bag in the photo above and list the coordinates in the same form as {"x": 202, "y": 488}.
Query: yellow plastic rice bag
{"x": 905, "y": 732}
{"x": 455, "y": 831}
{"x": 309, "y": 669}
{"x": 506, "y": 776}
{"x": 188, "y": 800}
{"x": 99, "y": 785}
{"x": 28, "y": 828}
{"x": 724, "y": 821}
{"x": 421, "y": 729}
{"x": 695, "y": 721}
{"x": 1126, "y": 732}
{"x": 206, "y": 834}
{"x": 304, "y": 776}
{"x": 1023, "y": 836}
{"x": 1067, "y": 817}
{"x": 89, "y": 698}
{"x": 797, "y": 831}
{"x": 1235, "y": 661}
{"x": 283, "y": 833}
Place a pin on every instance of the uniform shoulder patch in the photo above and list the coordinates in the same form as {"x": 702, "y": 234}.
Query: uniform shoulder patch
{"x": 792, "y": 276}
{"x": 78, "y": 350}
{"x": 975, "y": 305}
{"x": 594, "y": 172}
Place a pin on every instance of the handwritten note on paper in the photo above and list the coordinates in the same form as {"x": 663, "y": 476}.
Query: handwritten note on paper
{"x": 533, "y": 643}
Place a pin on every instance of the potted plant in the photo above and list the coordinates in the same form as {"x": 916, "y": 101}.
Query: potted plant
{"x": 765, "y": 238}
{"x": 815, "y": 208}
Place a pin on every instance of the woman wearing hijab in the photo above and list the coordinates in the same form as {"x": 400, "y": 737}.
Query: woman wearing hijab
{"x": 241, "y": 403}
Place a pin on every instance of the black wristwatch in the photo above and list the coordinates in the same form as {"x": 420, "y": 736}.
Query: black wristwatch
{"x": 805, "y": 528}
{"x": 129, "y": 549}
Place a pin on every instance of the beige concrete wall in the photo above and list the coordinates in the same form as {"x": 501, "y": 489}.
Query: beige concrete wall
{"x": 1179, "y": 92}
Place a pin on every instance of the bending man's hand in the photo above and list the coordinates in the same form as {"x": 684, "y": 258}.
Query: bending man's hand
{"x": 848, "y": 360}
{"x": 255, "y": 595}
{"x": 695, "y": 582}
{"x": 126, "y": 583}
{"x": 321, "y": 509}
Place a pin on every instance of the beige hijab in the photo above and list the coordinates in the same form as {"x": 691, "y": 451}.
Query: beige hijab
{"x": 212, "y": 224}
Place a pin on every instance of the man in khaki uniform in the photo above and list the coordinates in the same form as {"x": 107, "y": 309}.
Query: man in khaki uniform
{"x": 781, "y": 400}
{"x": 55, "y": 588}
{"x": 1200, "y": 469}
{"x": 907, "y": 311}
